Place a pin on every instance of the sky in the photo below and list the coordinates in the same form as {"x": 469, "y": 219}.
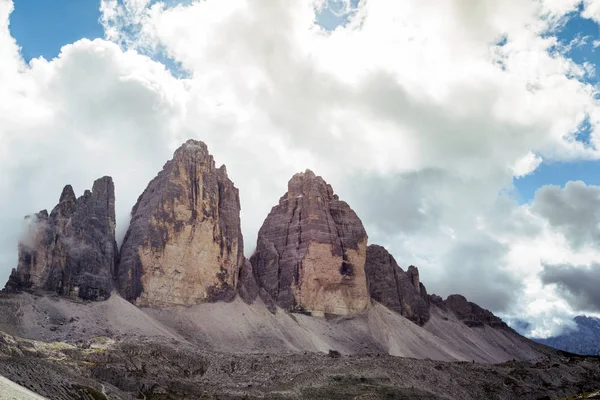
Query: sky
{"x": 464, "y": 133}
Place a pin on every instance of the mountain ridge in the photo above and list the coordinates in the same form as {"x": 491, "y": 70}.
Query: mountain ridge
{"x": 179, "y": 312}
{"x": 184, "y": 247}
{"x": 584, "y": 339}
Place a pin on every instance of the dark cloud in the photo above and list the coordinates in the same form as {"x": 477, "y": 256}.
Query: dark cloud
{"x": 579, "y": 284}
{"x": 398, "y": 203}
{"x": 573, "y": 211}
{"x": 476, "y": 269}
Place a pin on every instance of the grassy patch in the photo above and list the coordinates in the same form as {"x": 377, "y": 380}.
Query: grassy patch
{"x": 583, "y": 396}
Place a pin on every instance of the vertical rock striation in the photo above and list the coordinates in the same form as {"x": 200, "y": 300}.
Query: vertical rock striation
{"x": 311, "y": 251}
{"x": 389, "y": 285}
{"x": 72, "y": 251}
{"x": 184, "y": 244}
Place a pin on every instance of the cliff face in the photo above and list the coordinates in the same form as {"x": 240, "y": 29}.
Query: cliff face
{"x": 184, "y": 244}
{"x": 72, "y": 251}
{"x": 311, "y": 251}
{"x": 399, "y": 291}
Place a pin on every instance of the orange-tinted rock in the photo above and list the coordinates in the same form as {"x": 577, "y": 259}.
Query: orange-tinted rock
{"x": 311, "y": 251}
{"x": 184, "y": 244}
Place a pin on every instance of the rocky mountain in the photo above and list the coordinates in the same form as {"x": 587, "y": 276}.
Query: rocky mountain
{"x": 399, "y": 291}
{"x": 315, "y": 313}
{"x": 71, "y": 251}
{"x": 584, "y": 339}
{"x": 184, "y": 244}
{"x": 311, "y": 251}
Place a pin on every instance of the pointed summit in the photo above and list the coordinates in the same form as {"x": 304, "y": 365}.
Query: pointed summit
{"x": 67, "y": 194}
{"x": 72, "y": 251}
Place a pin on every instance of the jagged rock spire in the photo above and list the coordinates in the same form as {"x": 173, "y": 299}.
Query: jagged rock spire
{"x": 72, "y": 251}
{"x": 389, "y": 285}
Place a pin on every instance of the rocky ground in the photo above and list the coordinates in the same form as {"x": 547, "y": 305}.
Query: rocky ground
{"x": 102, "y": 368}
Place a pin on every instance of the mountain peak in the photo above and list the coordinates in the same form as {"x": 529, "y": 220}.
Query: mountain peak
{"x": 311, "y": 251}
{"x": 184, "y": 243}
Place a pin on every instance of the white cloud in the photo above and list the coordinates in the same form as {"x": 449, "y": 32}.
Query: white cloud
{"x": 591, "y": 10}
{"x": 526, "y": 165}
{"x": 417, "y": 113}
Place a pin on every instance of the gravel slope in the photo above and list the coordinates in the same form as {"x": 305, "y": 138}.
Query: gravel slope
{"x": 237, "y": 327}
{"x": 11, "y": 391}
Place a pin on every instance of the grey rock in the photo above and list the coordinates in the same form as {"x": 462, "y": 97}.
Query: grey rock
{"x": 435, "y": 300}
{"x": 247, "y": 286}
{"x": 389, "y": 285}
{"x": 268, "y": 300}
{"x": 471, "y": 314}
{"x": 72, "y": 251}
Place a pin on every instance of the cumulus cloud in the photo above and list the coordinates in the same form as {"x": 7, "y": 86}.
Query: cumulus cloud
{"x": 419, "y": 114}
{"x": 468, "y": 269}
{"x": 578, "y": 283}
{"x": 573, "y": 210}
{"x": 526, "y": 165}
{"x": 591, "y": 10}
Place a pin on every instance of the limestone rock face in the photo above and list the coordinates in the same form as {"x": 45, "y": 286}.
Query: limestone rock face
{"x": 247, "y": 286}
{"x": 399, "y": 291}
{"x": 471, "y": 314}
{"x": 184, "y": 244}
{"x": 311, "y": 251}
{"x": 72, "y": 251}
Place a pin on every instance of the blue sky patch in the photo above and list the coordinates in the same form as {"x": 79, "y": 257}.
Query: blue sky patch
{"x": 335, "y": 14}
{"x": 579, "y": 39}
{"x": 42, "y": 27}
{"x": 557, "y": 173}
